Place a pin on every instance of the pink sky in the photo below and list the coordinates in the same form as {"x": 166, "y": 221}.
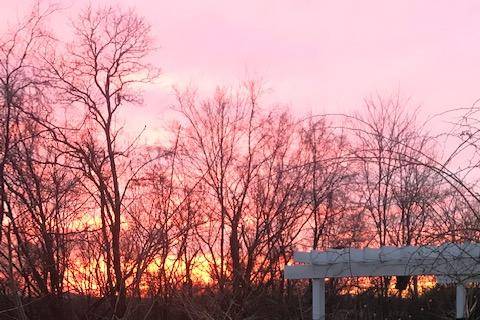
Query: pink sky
{"x": 316, "y": 56}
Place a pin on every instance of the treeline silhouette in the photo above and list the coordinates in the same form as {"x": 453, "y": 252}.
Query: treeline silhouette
{"x": 96, "y": 224}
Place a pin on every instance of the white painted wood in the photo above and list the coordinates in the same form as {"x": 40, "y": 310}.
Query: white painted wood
{"x": 458, "y": 261}
{"x": 461, "y": 301}
{"x": 318, "y": 299}
{"x": 447, "y": 251}
{"x": 451, "y": 263}
{"x": 457, "y": 270}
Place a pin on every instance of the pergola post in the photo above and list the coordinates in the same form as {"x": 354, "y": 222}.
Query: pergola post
{"x": 318, "y": 299}
{"x": 461, "y": 301}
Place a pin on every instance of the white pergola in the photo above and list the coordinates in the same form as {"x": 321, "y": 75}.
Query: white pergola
{"x": 450, "y": 263}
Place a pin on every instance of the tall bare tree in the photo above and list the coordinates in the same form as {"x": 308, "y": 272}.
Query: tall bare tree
{"x": 20, "y": 95}
{"x": 96, "y": 75}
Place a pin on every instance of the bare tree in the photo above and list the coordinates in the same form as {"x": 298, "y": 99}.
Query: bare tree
{"x": 98, "y": 73}
{"x": 254, "y": 174}
{"x": 20, "y": 96}
{"x": 43, "y": 205}
{"x": 395, "y": 165}
{"x": 401, "y": 189}
{"x": 325, "y": 157}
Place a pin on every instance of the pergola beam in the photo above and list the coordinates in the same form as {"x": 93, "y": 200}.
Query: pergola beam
{"x": 457, "y": 263}
{"x": 458, "y": 269}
